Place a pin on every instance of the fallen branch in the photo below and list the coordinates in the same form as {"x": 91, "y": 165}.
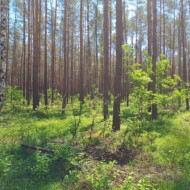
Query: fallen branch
{"x": 42, "y": 150}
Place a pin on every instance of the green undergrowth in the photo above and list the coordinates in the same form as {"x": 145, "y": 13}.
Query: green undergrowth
{"x": 145, "y": 154}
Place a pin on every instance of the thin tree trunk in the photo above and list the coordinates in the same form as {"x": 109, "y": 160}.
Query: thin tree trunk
{"x": 3, "y": 50}
{"x": 154, "y": 57}
{"x": 65, "y": 57}
{"x": 117, "y": 84}
{"x": 81, "y": 54}
{"x": 106, "y": 61}
{"x": 184, "y": 50}
{"x": 36, "y": 55}
{"x": 45, "y": 58}
{"x": 24, "y": 51}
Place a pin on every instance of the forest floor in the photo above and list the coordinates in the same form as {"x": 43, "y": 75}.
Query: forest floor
{"x": 87, "y": 155}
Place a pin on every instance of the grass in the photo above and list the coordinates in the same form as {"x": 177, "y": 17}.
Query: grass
{"x": 160, "y": 150}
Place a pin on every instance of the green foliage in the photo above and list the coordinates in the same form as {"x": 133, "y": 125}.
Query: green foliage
{"x": 41, "y": 168}
{"x": 166, "y": 86}
{"x": 101, "y": 177}
{"x": 94, "y": 177}
{"x": 161, "y": 143}
{"x": 140, "y": 80}
{"x": 5, "y": 164}
{"x": 14, "y": 99}
{"x": 142, "y": 184}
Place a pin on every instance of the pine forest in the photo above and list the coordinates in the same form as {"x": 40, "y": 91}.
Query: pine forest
{"x": 94, "y": 95}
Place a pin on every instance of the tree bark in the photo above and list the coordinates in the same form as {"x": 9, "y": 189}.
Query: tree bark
{"x": 45, "y": 59}
{"x": 36, "y": 55}
{"x": 3, "y": 50}
{"x": 154, "y": 57}
{"x": 106, "y": 61}
{"x": 118, "y": 73}
{"x": 81, "y": 54}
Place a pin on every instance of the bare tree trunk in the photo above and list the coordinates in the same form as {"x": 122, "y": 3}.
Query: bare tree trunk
{"x": 36, "y": 55}
{"x": 65, "y": 58}
{"x": 89, "y": 51}
{"x": 96, "y": 76}
{"x": 149, "y": 21}
{"x": 81, "y": 54}
{"x": 53, "y": 53}
{"x": 3, "y": 50}
{"x": 45, "y": 58}
{"x": 106, "y": 61}
{"x": 28, "y": 80}
{"x": 184, "y": 50}
{"x": 8, "y": 36}
{"x": 173, "y": 53}
{"x": 154, "y": 57}
{"x": 118, "y": 73}
{"x": 24, "y": 51}
{"x": 164, "y": 29}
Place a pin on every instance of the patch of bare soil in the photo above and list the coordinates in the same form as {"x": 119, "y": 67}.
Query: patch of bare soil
{"x": 121, "y": 155}
{"x": 142, "y": 164}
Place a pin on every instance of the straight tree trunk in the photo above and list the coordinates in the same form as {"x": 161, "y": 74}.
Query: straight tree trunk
{"x": 65, "y": 57}
{"x": 173, "y": 53}
{"x": 36, "y": 55}
{"x": 72, "y": 66}
{"x": 24, "y": 50}
{"x": 81, "y": 54}
{"x": 154, "y": 57}
{"x": 28, "y": 80}
{"x": 45, "y": 59}
{"x": 89, "y": 51}
{"x": 184, "y": 50}
{"x": 106, "y": 61}
{"x": 96, "y": 39}
{"x": 8, "y": 38}
{"x": 118, "y": 73}
{"x": 3, "y": 50}
{"x": 53, "y": 53}
{"x": 164, "y": 29}
{"x": 149, "y": 21}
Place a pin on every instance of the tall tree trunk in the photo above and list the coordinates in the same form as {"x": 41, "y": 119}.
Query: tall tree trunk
{"x": 106, "y": 61}
{"x": 72, "y": 66}
{"x": 118, "y": 73}
{"x": 149, "y": 21}
{"x": 65, "y": 57}
{"x": 89, "y": 51}
{"x": 8, "y": 37}
{"x": 3, "y": 49}
{"x": 184, "y": 50}
{"x": 110, "y": 48}
{"x": 53, "y": 50}
{"x": 81, "y": 54}
{"x": 28, "y": 80}
{"x": 45, "y": 58}
{"x": 164, "y": 29}
{"x": 96, "y": 39}
{"x": 36, "y": 55}
{"x": 173, "y": 53}
{"x": 154, "y": 57}
{"x": 24, "y": 50}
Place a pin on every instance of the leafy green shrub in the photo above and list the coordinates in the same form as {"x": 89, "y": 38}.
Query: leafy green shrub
{"x": 142, "y": 184}
{"x": 92, "y": 177}
{"x": 14, "y": 98}
{"x": 102, "y": 175}
{"x": 41, "y": 169}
